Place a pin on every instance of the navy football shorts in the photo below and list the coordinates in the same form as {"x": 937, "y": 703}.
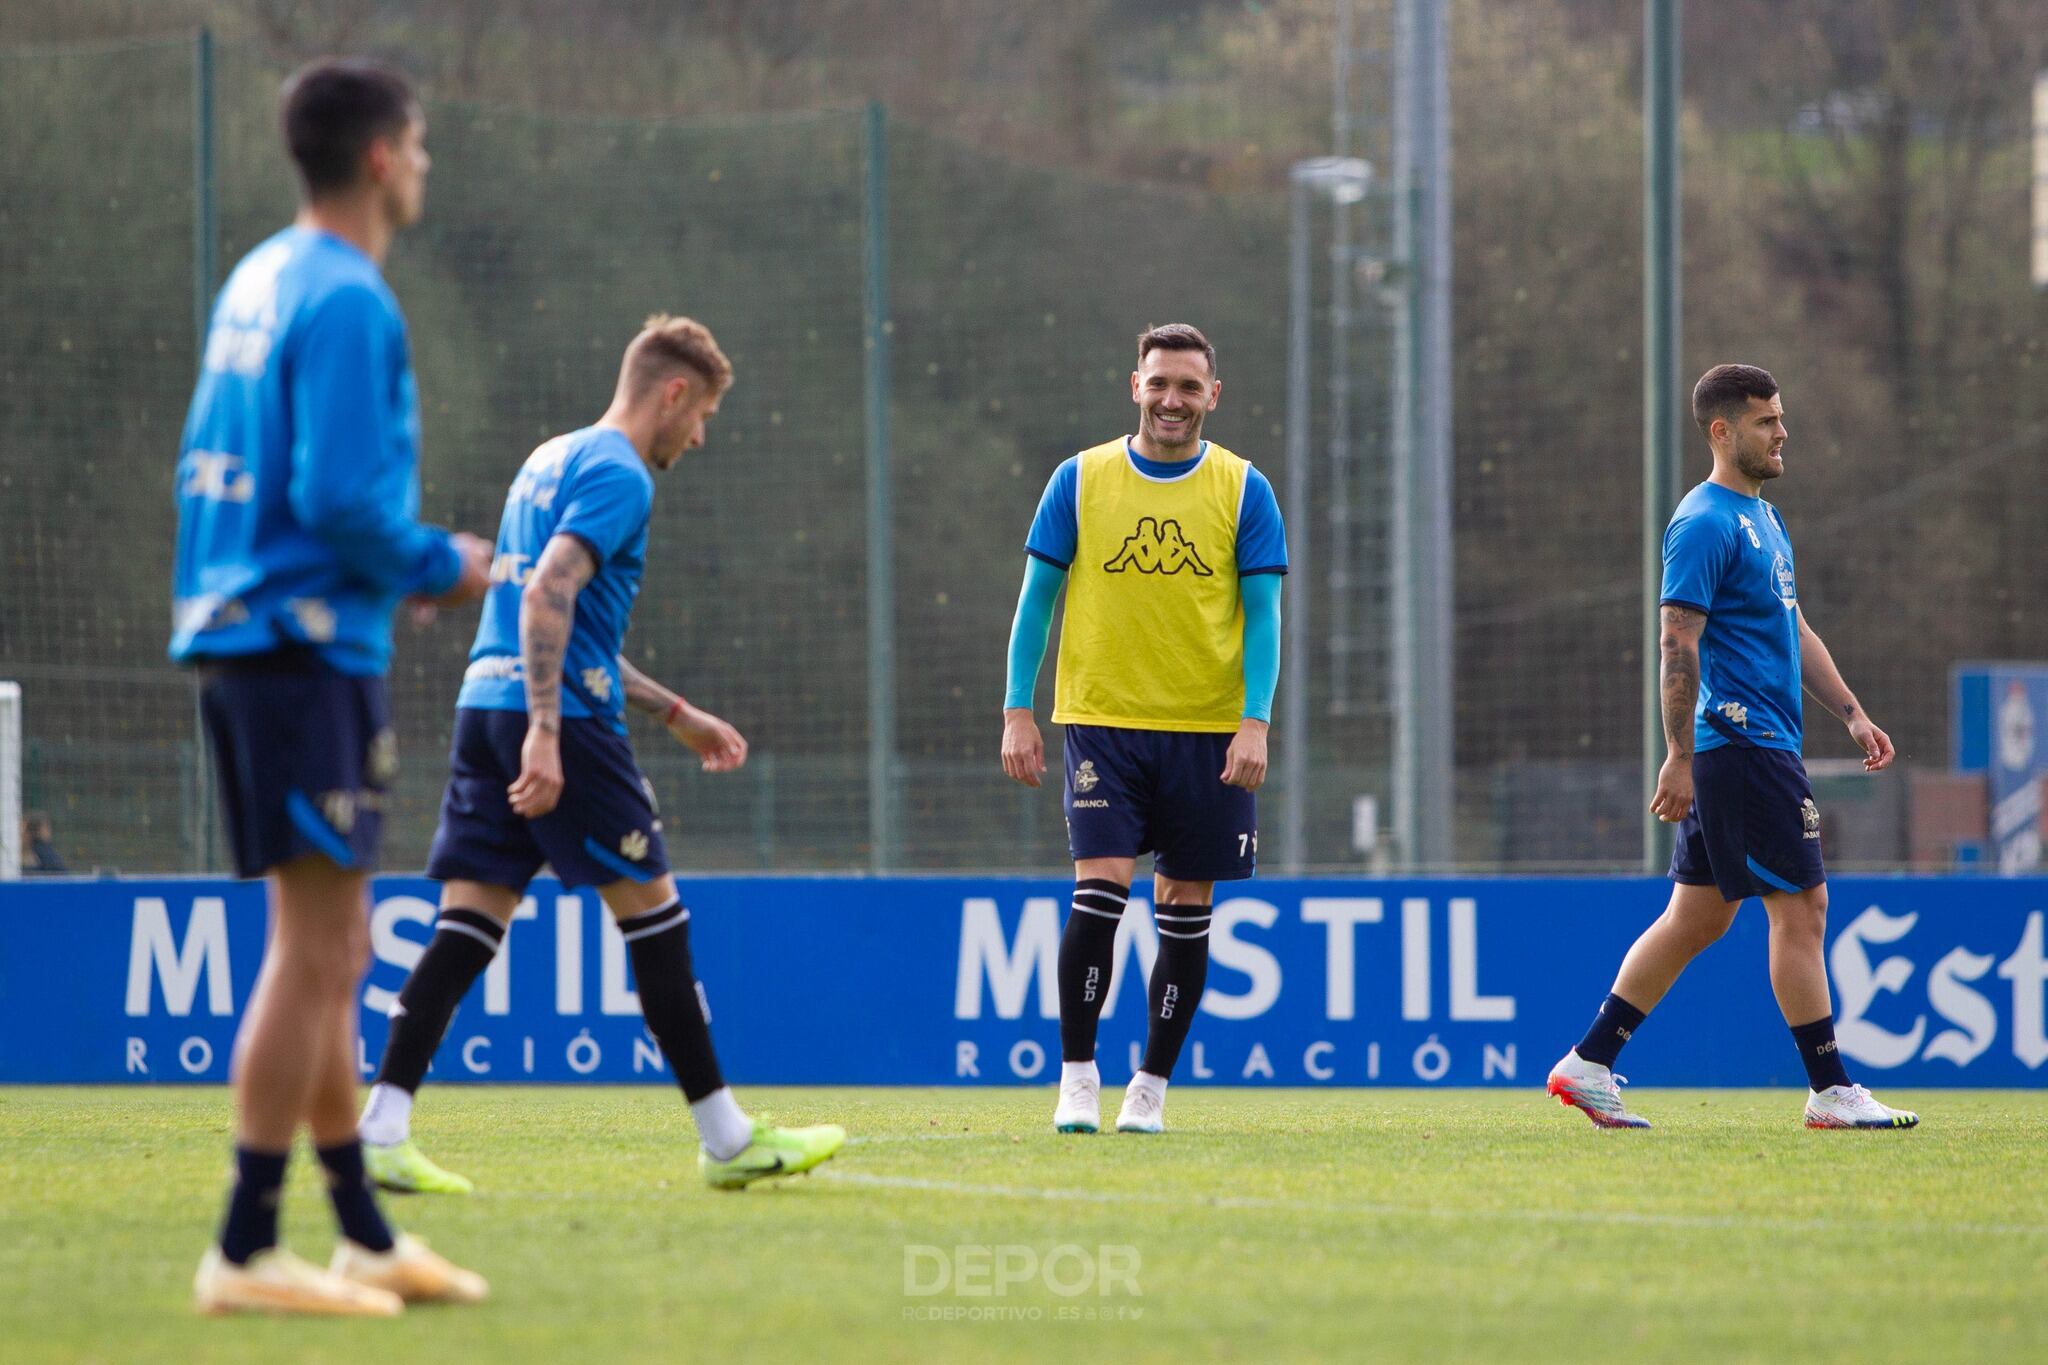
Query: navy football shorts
{"x": 1753, "y": 829}
{"x": 606, "y": 827}
{"x": 304, "y": 754}
{"x": 1158, "y": 791}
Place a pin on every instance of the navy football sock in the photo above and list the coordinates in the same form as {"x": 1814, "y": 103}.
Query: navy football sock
{"x": 355, "y": 1206}
{"x": 1818, "y": 1051}
{"x": 670, "y": 999}
{"x": 1614, "y": 1025}
{"x": 251, "y": 1222}
{"x": 1087, "y": 958}
{"x": 1176, "y": 987}
{"x": 463, "y": 945}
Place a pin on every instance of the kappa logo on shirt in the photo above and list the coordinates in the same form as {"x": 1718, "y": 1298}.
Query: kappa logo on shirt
{"x": 1157, "y": 547}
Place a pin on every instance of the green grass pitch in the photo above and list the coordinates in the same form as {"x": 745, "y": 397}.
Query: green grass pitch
{"x": 1267, "y": 1225}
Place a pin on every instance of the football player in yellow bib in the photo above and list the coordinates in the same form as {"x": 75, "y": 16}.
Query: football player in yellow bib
{"x": 1171, "y": 550}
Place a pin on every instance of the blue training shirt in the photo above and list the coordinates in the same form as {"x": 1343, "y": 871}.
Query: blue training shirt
{"x": 593, "y": 485}
{"x": 1261, "y": 537}
{"x": 1727, "y": 554}
{"x": 298, "y": 487}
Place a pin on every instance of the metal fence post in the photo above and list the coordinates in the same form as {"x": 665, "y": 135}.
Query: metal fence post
{"x": 881, "y": 601}
{"x": 204, "y": 234}
{"x": 1660, "y": 374}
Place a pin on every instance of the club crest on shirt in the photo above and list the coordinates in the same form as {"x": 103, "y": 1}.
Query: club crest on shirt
{"x": 1809, "y": 816}
{"x": 1781, "y": 579}
{"x": 1085, "y": 776}
{"x": 1158, "y": 547}
{"x": 315, "y": 617}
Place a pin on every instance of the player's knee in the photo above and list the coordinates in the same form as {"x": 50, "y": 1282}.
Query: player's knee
{"x": 1704, "y": 931}
{"x": 1804, "y": 916}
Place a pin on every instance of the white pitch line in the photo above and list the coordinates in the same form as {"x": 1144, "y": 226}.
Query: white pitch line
{"x": 1592, "y": 1216}
{"x": 870, "y": 1140}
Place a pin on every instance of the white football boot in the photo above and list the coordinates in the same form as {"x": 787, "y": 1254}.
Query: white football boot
{"x": 1593, "y": 1089}
{"x": 1144, "y": 1106}
{"x": 1080, "y": 1106}
{"x": 1851, "y": 1106}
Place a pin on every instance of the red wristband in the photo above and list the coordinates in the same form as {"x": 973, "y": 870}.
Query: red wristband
{"x": 675, "y": 709}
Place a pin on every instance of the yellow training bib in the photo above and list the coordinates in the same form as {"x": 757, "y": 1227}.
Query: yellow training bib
{"x": 1154, "y": 632}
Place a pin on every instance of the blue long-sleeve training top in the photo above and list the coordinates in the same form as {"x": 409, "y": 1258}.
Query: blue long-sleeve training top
{"x": 298, "y": 489}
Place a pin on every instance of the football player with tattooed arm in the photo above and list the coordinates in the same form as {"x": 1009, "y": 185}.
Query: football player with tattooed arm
{"x": 541, "y": 771}
{"x": 1736, "y": 649}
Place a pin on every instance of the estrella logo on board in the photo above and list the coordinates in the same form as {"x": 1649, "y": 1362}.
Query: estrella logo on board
{"x": 1159, "y": 548}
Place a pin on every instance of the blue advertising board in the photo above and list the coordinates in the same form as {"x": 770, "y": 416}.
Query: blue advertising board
{"x": 2001, "y": 730}
{"x": 898, "y": 981}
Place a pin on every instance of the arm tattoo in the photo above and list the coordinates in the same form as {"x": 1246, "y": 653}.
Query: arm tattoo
{"x": 1680, "y": 675}
{"x": 642, "y": 692}
{"x": 547, "y": 611}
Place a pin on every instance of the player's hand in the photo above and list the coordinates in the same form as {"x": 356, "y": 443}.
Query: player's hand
{"x": 1875, "y": 744}
{"x": 1023, "y": 749}
{"x": 1245, "y": 763}
{"x": 722, "y": 748}
{"x": 1674, "y": 789}
{"x": 539, "y": 785}
{"x": 475, "y": 579}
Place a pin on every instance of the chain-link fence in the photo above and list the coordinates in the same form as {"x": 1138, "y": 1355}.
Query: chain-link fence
{"x": 1012, "y": 297}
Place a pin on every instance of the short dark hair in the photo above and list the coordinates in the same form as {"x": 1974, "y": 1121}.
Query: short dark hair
{"x": 1725, "y": 391}
{"x": 1175, "y": 336}
{"x": 332, "y": 109}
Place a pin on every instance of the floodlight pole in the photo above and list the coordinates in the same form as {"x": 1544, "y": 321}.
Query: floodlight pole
{"x": 1343, "y": 180}
{"x": 1420, "y": 534}
{"x": 1660, "y": 376}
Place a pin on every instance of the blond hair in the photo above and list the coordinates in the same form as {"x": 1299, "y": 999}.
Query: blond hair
{"x": 666, "y": 344}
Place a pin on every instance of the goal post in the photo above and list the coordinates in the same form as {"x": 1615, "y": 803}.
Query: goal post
{"x": 10, "y": 781}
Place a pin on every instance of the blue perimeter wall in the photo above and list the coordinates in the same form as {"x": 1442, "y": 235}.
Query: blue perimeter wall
{"x": 916, "y": 981}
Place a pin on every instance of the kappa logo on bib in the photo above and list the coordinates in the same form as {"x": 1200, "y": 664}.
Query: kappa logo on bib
{"x": 1158, "y": 547}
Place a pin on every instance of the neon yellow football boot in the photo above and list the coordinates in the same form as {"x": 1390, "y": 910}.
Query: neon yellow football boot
{"x": 773, "y": 1152}
{"x": 403, "y": 1167}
